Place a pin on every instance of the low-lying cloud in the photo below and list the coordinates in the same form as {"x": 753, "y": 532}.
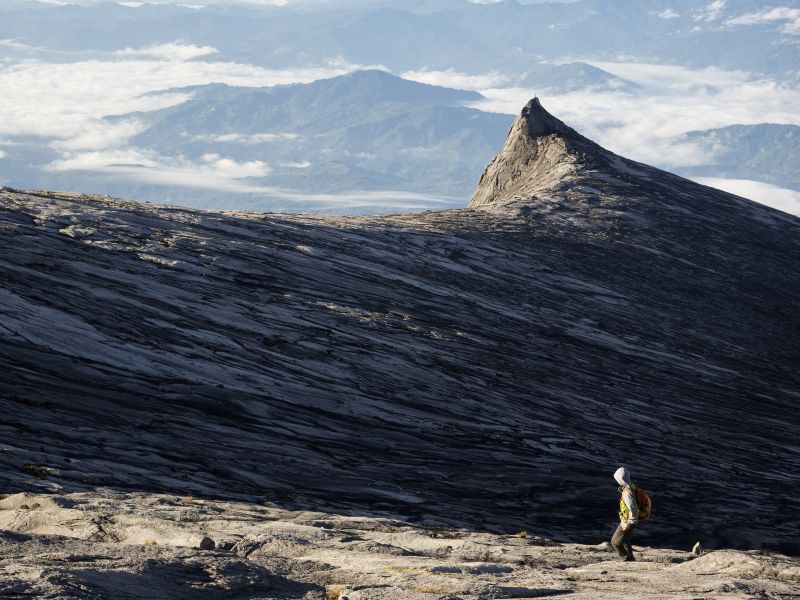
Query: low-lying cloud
{"x": 60, "y": 100}
{"x": 455, "y": 79}
{"x": 649, "y": 125}
{"x": 100, "y": 135}
{"x": 763, "y": 193}
{"x": 183, "y": 3}
{"x": 710, "y": 12}
{"x": 246, "y": 138}
{"x": 66, "y": 105}
{"x": 666, "y": 14}
{"x": 371, "y": 201}
{"x": 790, "y": 17}
{"x": 104, "y": 160}
{"x": 141, "y": 159}
{"x": 171, "y": 52}
{"x": 231, "y": 169}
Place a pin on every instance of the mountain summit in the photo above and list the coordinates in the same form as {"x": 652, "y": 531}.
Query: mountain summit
{"x": 538, "y": 122}
{"x": 549, "y": 171}
{"x": 543, "y": 156}
{"x": 540, "y": 153}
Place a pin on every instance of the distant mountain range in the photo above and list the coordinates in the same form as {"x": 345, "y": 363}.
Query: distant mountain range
{"x": 571, "y": 77}
{"x": 766, "y": 152}
{"x": 368, "y": 133}
{"x": 376, "y": 136}
{"x": 506, "y": 36}
{"x": 366, "y": 130}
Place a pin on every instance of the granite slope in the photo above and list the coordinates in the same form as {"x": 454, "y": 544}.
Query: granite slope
{"x": 485, "y": 367}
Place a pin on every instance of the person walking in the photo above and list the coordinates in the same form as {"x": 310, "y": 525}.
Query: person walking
{"x": 628, "y": 515}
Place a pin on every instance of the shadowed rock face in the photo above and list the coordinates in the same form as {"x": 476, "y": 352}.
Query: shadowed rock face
{"x": 489, "y": 366}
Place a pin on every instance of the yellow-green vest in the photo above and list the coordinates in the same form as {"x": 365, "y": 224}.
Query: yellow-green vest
{"x": 624, "y": 513}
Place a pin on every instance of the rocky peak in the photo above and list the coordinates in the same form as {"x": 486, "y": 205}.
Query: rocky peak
{"x": 538, "y": 122}
{"x": 541, "y": 153}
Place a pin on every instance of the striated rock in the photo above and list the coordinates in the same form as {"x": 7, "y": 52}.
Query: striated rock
{"x": 479, "y": 367}
{"x": 541, "y": 154}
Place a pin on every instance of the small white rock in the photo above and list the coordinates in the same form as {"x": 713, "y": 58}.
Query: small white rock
{"x": 202, "y": 542}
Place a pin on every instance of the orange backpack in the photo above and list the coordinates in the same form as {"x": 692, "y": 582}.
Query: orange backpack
{"x": 644, "y": 503}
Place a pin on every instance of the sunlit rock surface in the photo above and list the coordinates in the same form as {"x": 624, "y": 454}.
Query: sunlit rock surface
{"x": 108, "y": 544}
{"x": 486, "y": 367}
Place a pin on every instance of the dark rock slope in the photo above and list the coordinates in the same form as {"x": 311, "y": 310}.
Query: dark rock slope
{"x": 489, "y": 366}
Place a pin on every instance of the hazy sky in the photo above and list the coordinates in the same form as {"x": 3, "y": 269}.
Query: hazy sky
{"x": 65, "y": 97}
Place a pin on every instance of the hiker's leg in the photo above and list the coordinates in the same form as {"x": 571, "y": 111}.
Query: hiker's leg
{"x": 626, "y": 540}
{"x": 618, "y": 541}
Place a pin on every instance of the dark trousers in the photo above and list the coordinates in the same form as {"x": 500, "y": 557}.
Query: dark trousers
{"x": 621, "y": 541}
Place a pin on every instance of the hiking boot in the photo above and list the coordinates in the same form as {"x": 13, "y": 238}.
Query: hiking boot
{"x": 629, "y": 558}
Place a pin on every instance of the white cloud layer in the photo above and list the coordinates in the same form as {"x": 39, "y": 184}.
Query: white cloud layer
{"x": 231, "y": 169}
{"x": 100, "y": 135}
{"x": 209, "y": 180}
{"x": 710, "y": 12}
{"x": 184, "y": 3}
{"x": 791, "y": 16}
{"x": 247, "y": 138}
{"x": 647, "y": 126}
{"x": 763, "y": 193}
{"x": 68, "y": 100}
{"x": 103, "y": 160}
{"x": 454, "y": 79}
{"x": 88, "y": 90}
{"x": 66, "y": 103}
{"x": 265, "y": 2}
{"x": 15, "y": 45}
{"x": 141, "y": 161}
{"x": 171, "y": 52}
{"x": 667, "y": 14}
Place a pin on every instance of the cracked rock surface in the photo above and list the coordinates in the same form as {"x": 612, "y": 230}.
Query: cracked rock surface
{"x": 487, "y": 367}
{"x": 263, "y": 551}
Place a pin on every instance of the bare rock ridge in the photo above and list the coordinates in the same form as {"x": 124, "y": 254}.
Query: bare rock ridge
{"x": 541, "y": 155}
{"x": 486, "y": 367}
{"x": 536, "y": 157}
{"x": 540, "y": 123}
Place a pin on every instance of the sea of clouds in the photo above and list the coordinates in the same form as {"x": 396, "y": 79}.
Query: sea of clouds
{"x": 64, "y": 101}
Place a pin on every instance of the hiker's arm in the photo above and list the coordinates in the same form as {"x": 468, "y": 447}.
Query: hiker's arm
{"x": 633, "y": 508}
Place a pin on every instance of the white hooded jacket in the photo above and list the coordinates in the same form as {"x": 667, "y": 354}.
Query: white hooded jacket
{"x": 623, "y": 478}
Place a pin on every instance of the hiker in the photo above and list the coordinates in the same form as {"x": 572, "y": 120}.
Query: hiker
{"x": 628, "y": 515}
